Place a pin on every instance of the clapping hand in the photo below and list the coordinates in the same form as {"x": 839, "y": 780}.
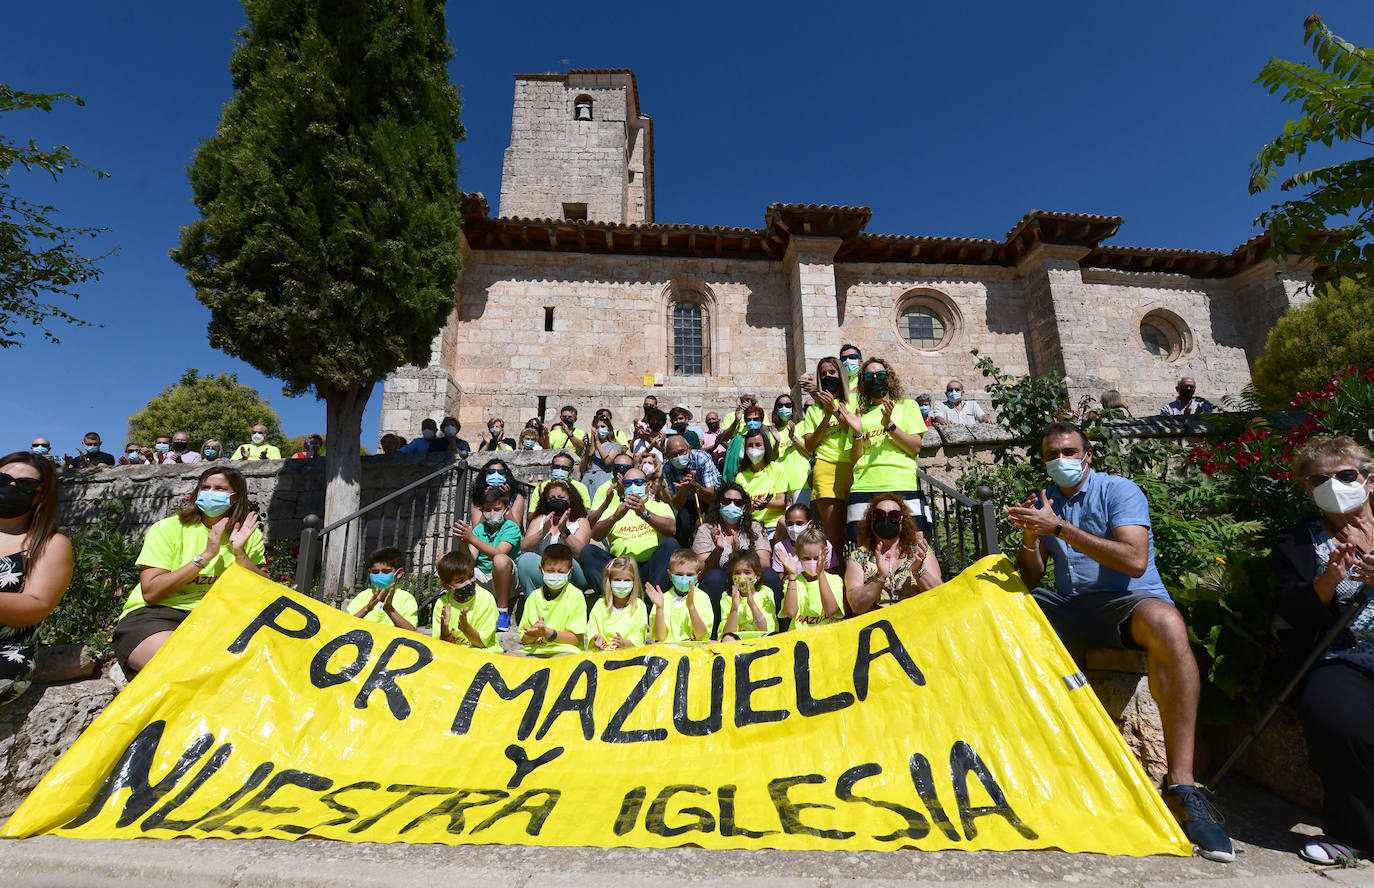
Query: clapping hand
{"x": 242, "y": 531}
{"x": 1035, "y": 517}
{"x": 654, "y": 594}
{"x": 888, "y": 407}
{"x": 463, "y": 531}
{"x": 534, "y": 632}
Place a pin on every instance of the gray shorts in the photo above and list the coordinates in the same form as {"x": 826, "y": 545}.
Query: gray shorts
{"x": 1093, "y": 619}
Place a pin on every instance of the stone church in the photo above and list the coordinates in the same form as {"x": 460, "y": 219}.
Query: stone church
{"x": 572, "y": 292}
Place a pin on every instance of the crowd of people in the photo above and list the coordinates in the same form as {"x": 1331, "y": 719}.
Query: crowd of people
{"x": 765, "y": 520}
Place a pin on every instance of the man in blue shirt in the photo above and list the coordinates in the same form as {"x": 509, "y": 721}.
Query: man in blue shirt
{"x": 1096, "y": 529}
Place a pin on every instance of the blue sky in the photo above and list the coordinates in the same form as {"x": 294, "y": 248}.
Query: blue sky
{"x": 946, "y": 119}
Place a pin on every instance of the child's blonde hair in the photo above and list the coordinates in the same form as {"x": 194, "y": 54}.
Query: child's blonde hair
{"x": 685, "y": 558}
{"x": 812, "y": 536}
{"x": 618, "y": 565}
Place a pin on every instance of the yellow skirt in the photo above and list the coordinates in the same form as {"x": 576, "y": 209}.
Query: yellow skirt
{"x": 831, "y": 480}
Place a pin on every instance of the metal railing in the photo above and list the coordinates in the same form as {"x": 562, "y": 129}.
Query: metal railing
{"x": 417, "y": 519}
{"x": 965, "y": 529}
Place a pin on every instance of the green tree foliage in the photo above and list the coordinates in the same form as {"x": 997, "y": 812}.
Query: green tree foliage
{"x": 38, "y": 257}
{"x": 206, "y": 407}
{"x": 1336, "y": 98}
{"x": 328, "y": 243}
{"x": 1313, "y": 343}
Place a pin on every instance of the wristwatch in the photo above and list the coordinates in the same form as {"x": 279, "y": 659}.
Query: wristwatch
{"x": 1058, "y": 527}
{"x": 891, "y": 427}
{"x": 198, "y": 561}
{"x": 553, "y": 634}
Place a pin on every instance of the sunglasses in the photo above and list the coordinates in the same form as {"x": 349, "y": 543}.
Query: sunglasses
{"x": 732, "y": 499}
{"x": 895, "y": 514}
{"x": 877, "y": 374}
{"x": 1345, "y": 476}
{"x": 28, "y": 485}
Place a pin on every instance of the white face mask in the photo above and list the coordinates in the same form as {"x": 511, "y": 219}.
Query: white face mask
{"x": 755, "y": 454}
{"x": 258, "y": 438}
{"x": 1339, "y": 498}
{"x": 795, "y": 530}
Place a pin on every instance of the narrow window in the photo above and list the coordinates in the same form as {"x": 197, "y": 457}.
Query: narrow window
{"x": 543, "y": 405}
{"x": 689, "y": 341}
{"x": 548, "y": 319}
{"x": 575, "y": 212}
{"x": 582, "y": 108}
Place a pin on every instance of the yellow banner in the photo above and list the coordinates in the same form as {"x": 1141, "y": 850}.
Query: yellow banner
{"x": 953, "y": 720}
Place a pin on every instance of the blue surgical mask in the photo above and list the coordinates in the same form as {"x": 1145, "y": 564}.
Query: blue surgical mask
{"x": 450, "y": 430}
{"x": 427, "y": 434}
{"x": 381, "y": 581}
{"x": 753, "y": 425}
{"x": 784, "y": 413}
{"x": 634, "y": 488}
{"x": 603, "y": 433}
{"x": 554, "y": 580}
{"x": 925, "y": 409}
{"x": 681, "y": 461}
{"x": 211, "y": 452}
{"x": 213, "y": 503}
{"x": 41, "y": 449}
{"x": 683, "y": 582}
{"x": 528, "y": 443}
{"x": 161, "y": 448}
{"x": 496, "y": 479}
{"x": 1065, "y": 472}
{"x": 851, "y": 365}
{"x": 558, "y": 473}
{"x": 731, "y": 513}
{"x": 92, "y": 448}
{"x": 954, "y": 397}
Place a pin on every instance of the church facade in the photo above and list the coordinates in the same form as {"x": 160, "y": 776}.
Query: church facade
{"x": 573, "y": 293}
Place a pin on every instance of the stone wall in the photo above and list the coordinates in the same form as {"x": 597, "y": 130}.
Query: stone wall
{"x": 285, "y": 491}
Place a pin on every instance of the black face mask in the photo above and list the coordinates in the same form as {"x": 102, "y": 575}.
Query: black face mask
{"x": 557, "y": 506}
{"x": 15, "y": 501}
{"x": 830, "y": 384}
{"x": 876, "y": 389}
{"x": 712, "y": 425}
{"x": 180, "y": 446}
{"x": 887, "y": 528}
{"x": 680, "y": 427}
{"x": 1186, "y": 395}
{"x": 568, "y": 420}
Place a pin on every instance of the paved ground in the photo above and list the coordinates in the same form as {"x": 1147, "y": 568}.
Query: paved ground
{"x": 1268, "y": 830}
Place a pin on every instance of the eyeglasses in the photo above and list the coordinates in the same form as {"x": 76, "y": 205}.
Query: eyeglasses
{"x": 895, "y": 515}
{"x": 1345, "y": 476}
{"x": 877, "y": 374}
{"x": 28, "y": 485}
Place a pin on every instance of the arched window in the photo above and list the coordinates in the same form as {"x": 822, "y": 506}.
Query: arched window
{"x": 687, "y": 334}
{"x": 926, "y": 320}
{"x": 582, "y": 108}
{"x": 1165, "y": 335}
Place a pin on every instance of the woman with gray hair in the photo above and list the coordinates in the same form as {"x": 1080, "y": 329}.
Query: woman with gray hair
{"x": 1320, "y": 565}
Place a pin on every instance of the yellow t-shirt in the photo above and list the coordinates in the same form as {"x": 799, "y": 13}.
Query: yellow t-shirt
{"x": 763, "y": 596}
{"x": 834, "y": 446}
{"x": 809, "y": 609}
{"x": 635, "y": 536}
{"x": 884, "y": 465}
{"x": 256, "y": 451}
{"x": 404, "y": 603}
{"x": 170, "y": 545}
{"x": 561, "y": 440}
{"x": 481, "y": 617}
{"x": 770, "y": 481}
{"x": 571, "y": 482}
{"x": 679, "y": 620}
{"x": 566, "y": 612}
{"x": 631, "y": 622}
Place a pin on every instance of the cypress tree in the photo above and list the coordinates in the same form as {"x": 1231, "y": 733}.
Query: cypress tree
{"x": 327, "y": 246}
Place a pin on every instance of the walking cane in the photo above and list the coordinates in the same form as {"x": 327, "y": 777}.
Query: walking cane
{"x": 1352, "y": 610}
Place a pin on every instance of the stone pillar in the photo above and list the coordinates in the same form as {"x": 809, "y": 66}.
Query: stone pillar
{"x": 412, "y": 394}
{"x": 1064, "y": 331}
{"x": 810, "y": 268}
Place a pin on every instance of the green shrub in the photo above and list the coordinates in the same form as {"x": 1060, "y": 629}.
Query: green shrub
{"x": 104, "y": 571}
